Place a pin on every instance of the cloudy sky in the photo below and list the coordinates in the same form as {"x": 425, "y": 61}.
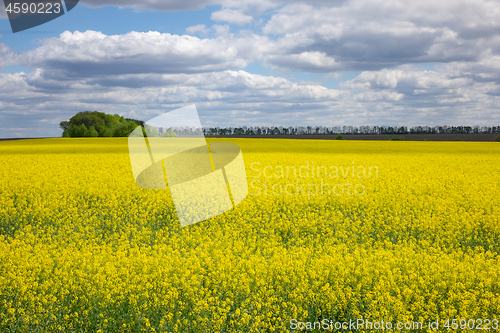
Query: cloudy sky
{"x": 256, "y": 62}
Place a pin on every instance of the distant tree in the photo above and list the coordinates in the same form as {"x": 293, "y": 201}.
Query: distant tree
{"x": 497, "y": 138}
{"x": 339, "y": 137}
{"x": 151, "y": 131}
{"x": 88, "y": 123}
{"x": 300, "y": 130}
{"x": 169, "y": 134}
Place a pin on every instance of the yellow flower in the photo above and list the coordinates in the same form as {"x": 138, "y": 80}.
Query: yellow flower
{"x": 420, "y": 244}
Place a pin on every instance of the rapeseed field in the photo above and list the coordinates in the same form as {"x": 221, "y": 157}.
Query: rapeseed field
{"x": 331, "y": 233}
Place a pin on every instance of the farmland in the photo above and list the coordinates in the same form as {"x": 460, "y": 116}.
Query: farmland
{"x": 404, "y": 232}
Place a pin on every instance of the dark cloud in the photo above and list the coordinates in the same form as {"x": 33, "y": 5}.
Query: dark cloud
{"x": 170, "y": 5}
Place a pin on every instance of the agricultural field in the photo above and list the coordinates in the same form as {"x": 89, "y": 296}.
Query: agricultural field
{"x": 331, "y": 232}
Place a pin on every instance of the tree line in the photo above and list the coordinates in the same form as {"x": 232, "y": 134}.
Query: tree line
{"x": 331, "y": 130}
{"x": 98, "y": 124}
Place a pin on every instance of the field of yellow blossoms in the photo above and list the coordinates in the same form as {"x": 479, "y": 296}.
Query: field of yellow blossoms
{"x": 331, "y": 232}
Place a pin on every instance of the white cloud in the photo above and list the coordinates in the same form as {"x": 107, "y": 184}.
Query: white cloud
{"x": 456, "y": 93}
{"x": 7, "y": 56}
{"x": 232, "y": 16}
{"x": 93, "y": 53}
{"x": 408, "y": 77}
{"x": 199, "y": 28}
{"x": 222, "y": 30}
{"x": 371, "y": 35}
{"x": 305, "y": 61}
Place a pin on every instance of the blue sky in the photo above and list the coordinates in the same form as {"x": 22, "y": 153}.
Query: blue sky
{"x": 263, "y": 62}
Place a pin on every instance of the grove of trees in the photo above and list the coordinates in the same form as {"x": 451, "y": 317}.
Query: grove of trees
{"x": 98, "y": 124}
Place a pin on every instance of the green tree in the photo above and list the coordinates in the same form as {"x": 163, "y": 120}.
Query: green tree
{"x": 151, "y": 131}
{"x": 105, "y": 125}
{"x": 124, "y": 129}
{"x": 91, "y": 132}
{"x": 64, "y": 125}
{"x": 339, "y": 137}
{"x": 169, "y": 134}
{"x": 76, "y": 131}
